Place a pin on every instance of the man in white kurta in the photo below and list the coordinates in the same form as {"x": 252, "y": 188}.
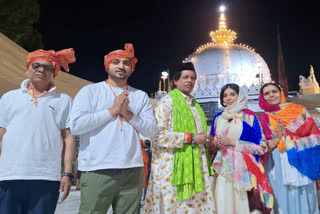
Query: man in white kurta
{"x": 162, "y": 195}
{"x": 109, "y": 116}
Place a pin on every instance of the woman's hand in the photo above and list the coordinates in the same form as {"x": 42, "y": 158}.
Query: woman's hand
{"x": 281, "y": 132}
{"x": 273, "y": 143}
{"x": 221, "y": 142}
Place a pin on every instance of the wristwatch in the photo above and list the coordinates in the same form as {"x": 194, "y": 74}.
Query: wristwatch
{"x": 69, "y": 175}
{"x": 207, "y": 140}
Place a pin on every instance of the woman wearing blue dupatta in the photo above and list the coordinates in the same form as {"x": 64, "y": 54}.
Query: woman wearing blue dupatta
{"x": 241, "y": 185}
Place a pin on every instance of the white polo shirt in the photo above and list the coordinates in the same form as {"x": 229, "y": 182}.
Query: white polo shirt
{"x": 32, "y": 144}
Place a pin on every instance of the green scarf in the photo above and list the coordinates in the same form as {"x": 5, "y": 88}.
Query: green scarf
{"x": 187, "y": 175}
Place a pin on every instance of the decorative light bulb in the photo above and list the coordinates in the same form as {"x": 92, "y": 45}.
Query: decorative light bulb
{"x": 222, "y": 8}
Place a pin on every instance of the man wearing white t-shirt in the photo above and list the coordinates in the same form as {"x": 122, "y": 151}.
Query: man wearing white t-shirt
{"x": 34, "y": 135}
{"x": 109, "y": 116}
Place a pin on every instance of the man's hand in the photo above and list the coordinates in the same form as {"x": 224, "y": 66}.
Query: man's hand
{"x": 2, "y": 131}
{"x": 124, "y": 112}
{"x": 65, "y": 185}
{"x": 68, "y": 155}
{"x": 200, "y": 138}
{"x": 118, "y": 103}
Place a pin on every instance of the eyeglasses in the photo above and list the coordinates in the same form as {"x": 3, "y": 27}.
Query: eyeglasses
{"x": 47, "y": 68}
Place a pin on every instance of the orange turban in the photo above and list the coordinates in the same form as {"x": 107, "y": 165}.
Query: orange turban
{"x": 128, "y": 53}
{"x": 58, "y": 59}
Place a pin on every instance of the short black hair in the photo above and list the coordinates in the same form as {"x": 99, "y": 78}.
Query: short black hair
{"x": 178, "y": 71}
{"x": 233, "y": 86}
{"x": 146, "y": 141}
{"x": 268, "y": 84}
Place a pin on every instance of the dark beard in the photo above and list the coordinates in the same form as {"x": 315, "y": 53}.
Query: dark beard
{"x": 115, "y": 78}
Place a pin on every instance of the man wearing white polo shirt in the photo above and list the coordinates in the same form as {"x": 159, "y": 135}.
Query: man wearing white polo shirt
{"x": 34, "y": 130}
{"x": 109, "y": 116}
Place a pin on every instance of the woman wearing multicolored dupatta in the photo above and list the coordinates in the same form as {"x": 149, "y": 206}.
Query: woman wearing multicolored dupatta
{"x": 241, "y": 185}
{"x": 293, "y": 163}
{"x": 180, "y": 179}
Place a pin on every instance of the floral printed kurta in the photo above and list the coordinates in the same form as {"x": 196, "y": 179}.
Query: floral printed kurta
{"x": 161, "y": 195}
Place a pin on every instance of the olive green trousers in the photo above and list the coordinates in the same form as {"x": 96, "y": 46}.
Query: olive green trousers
{"x": 121, "y": 188}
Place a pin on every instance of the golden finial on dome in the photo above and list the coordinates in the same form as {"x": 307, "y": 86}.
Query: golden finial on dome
{"x": 311, "y": 70}
{"x": 223, "y": 35}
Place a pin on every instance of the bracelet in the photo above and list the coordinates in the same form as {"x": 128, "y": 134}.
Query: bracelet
{"x": 188, "y": 137}
{"x": 69, "y": 175}
{"x": 192, "y": 139}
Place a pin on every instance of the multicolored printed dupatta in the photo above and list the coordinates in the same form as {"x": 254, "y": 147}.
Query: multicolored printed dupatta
{"x": 240, "y": 165}
{"x": 302, "y": 140}
{"x": 187, "y": 175}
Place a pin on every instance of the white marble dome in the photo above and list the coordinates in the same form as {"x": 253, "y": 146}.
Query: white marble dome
{"x": 222, "y": 61}
{"x": 214, "y": 68}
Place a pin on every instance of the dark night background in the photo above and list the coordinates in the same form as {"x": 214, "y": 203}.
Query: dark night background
{"x": 165, "y": 32}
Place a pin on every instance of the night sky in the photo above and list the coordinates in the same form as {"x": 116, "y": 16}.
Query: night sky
{"x": 165, "y": 32}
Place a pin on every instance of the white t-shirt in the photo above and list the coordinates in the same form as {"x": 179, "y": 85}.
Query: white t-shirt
{"x": 102, "y": 143}
{"x": 32, "y": 144}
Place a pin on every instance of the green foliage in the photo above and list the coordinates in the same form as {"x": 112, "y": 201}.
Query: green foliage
{"x": 17, "y": 21}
